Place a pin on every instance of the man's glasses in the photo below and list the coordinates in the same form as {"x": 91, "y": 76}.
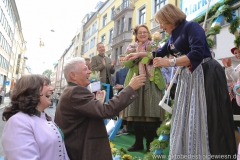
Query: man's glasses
{"x": 140, "y": 33}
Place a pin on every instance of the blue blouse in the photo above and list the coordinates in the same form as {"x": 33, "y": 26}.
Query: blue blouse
{"x": 189, "y": 39}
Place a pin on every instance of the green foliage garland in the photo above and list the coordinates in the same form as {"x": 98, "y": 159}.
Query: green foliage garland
{"x": 210, "y": 42}
{"x": 237, "y": 42}
{"x": 226, "y": 11}
{"x": 164, "y": 129}
{"x": 158, "y": 144}
{"x": 234, "y": 25}
{"x": 213, "y": 31}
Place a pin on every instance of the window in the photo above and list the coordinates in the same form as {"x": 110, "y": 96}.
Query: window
{"x": 104, "y": 20}
{"x": 123, "y": 22}
{"x": 142, "y": 14}
{"x": 94, "y": 26}
{"x": 92, "y": 44}
{"x": 103, "y": 38}
{"x": 129, "y": 24}
{"x": 86, "y": 47}
{"x": 87, "y": 33}
{"x": 112, "y": 12}
{"x": 159, "y": 4}
{"x": 118, "y": 27}
{"x": 110, "y": 35}
{"x": 116, "y": 53}
{"x": 125, "y": 3}
{"x": 91, "y": 55}
{"x": 121, "y": 49}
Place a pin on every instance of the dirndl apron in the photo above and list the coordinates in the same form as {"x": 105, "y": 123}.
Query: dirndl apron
{"x": 201, "y": 100}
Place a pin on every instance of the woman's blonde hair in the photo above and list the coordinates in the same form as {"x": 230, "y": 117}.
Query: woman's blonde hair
{"x": 135, "y": 32}
{"x": 170, "y": 14}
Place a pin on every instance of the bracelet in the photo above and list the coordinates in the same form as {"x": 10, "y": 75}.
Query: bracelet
{"x": 235, "y": 89}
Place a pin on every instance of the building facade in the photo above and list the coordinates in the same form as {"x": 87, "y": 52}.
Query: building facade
{"x": 12, "y": 45}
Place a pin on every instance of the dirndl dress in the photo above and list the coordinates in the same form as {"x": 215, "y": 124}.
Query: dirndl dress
{"x": 202, "y": 120}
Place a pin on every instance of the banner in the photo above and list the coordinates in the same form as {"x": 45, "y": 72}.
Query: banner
{"x": 195, "y": 8}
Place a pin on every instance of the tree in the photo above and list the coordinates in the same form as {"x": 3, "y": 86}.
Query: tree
{"x": 48, "y": 73}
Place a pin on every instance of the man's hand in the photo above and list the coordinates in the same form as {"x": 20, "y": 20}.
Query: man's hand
{"x": 113, "y": 62}
{"x": 227, "y": 62}
{"x": 118, "y": 86}
{"x": 137, "y": 81}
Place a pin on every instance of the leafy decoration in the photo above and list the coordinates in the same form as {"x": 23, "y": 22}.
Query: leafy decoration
{"x": 237, "y": 42}
{"x": 234, "y": 25}
{"x": 226, "y": 11}
{"x": 158, "y": 144}
{"x": 213, "y": 31}
{"x": 149, "y": 156}
{"x": 215, "y": 12}
{"x": 210, "y": 42}
{"x": 164, "y": 129}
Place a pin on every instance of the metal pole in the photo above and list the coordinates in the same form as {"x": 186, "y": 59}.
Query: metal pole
{"x": 205, "y": 20}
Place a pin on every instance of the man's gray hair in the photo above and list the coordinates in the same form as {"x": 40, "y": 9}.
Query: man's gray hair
{"x": 71, "y": 66}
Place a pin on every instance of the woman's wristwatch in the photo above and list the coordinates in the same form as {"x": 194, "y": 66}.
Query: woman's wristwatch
{"x": 172, "y": 62}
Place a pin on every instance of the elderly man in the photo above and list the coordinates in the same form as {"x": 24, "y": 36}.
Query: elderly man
{"x": 80, "y": 115}
{"x": 104, "y": 65}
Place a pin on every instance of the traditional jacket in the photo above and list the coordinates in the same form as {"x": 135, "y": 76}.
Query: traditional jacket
{"x": 80, "y": 116}
{"x": 105, "y": 71}
{"x": 189, "y": 45}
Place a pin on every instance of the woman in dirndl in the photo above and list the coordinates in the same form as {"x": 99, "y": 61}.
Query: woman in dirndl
{"x": 202, "y": 122}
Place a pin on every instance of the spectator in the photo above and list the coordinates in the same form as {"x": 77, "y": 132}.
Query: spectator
{"x": 29, "y": 132}
{"x": 80, "y": 115}
{"x": 53, "y": 99}
{"x": 57, "y": 98}
{"x": 88, "y": 63}
{"x": 104, "y": 65}
{"x": 120, "y": 78}
{"x": 232, "y": 77}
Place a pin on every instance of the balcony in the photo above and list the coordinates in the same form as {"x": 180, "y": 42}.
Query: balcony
{"x": 123, "y": 37}
{"x": 125, "y": 6}
{"x": 154, "y": 26}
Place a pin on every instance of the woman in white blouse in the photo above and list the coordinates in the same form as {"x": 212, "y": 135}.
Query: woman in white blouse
{"x": 29, "y": 133}
{"x": 232, "y": 77}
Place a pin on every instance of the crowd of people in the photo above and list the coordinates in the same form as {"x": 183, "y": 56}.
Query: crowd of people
{"x": 202, "y": 118}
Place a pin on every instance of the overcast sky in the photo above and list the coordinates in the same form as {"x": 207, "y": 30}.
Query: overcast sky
{"x": 39, "y": 17}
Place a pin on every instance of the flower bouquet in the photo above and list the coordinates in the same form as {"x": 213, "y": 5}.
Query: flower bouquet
{"x": 154, "y": 45}
{"x": 131, "y": 49}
